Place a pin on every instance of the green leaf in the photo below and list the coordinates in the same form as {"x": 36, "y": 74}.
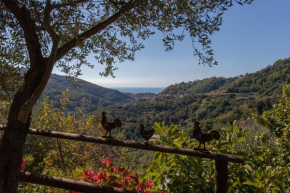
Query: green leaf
{"x": 177, "y": 143}
{"x": 248, "y": 167}
{"x": 248, "y": 182}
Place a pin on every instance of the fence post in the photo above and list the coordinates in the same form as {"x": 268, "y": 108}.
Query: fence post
{"x": 221, "y": 176}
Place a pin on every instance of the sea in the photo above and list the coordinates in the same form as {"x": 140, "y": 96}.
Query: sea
{"x": 139, "y": 89}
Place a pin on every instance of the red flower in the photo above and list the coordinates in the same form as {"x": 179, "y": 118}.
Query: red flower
{"x": 137, "y": 176}
{"x": 116, "y": 170}
{"x": 150, "y": 184}
{"x": 128, "y": 178}
{"x": 107, "y": 162}
{"x": 100, "y": 176}
{"x": 22, "y": 164}
{"x": 1, "y": 139}
{"x": 90, "y": 174}
{"x": 141, "y": 187}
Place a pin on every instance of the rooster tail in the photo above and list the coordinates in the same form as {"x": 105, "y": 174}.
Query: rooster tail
{"x": 118, "y": 122}
{"x": 215, "y": 134}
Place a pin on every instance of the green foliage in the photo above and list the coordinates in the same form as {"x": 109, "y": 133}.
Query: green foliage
{"x": 4, "y": 109}
{"x": 198, "y": 86}
{"x": 278, "y": 121}
{"x": 178, "y": 173}
{"x": 67, "y": 158}
{"x": 51, "y": 154}
{"x": 268, "y": 81}
{"x": 210, "y": 109}
{"x": 10, "y": 80}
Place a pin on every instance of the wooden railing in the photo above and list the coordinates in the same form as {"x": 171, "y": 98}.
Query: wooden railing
{"x": 67, "y": 184}
{"x": 221, "y": 161}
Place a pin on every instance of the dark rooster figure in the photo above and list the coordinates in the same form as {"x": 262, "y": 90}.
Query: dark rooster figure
{"x": 109, "y": 126}
{"x": 146, "y": 134}
{"x": 202, "y": 138}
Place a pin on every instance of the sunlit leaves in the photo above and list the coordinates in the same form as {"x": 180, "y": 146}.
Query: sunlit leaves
{"x": 262, "y": 171}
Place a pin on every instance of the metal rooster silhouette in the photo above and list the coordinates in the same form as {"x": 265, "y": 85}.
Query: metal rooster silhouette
{"x": 202, "y": 138}
{"x": 146, "y": 134}
{"x": 108, "y": 126}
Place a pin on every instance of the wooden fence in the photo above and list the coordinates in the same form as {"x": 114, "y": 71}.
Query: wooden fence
{"x": 221, "y": 162}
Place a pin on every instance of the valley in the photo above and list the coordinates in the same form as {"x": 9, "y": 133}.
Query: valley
{"x": 210, "y": 101}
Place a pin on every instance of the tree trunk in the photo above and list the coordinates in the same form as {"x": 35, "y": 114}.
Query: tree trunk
{"x": 19, "y": 118}
{"x": 11, "y": 153}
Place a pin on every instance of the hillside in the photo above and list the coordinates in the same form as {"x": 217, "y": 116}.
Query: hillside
{"x": 267, "y": 81}
{"x": 95, "y": 96}
{"x": 199, "y": 86}
{"x": 209, "y": 101}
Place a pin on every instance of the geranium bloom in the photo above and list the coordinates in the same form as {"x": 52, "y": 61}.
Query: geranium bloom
{"x": 128, "y": 178}
{"x": 107, "y": 162}
{"x": 150, "y": 184}
{"x": 141, "y": 187}
{"x": 90, "y": 174}
{"x": 116, "y": 170}
{"x": 137, "y": 176}
{"x": 100, "y": 175}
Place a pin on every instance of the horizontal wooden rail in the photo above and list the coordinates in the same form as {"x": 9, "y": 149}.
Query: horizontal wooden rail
{"x": 68, "y": 184}
{"x": 136, "y": 145}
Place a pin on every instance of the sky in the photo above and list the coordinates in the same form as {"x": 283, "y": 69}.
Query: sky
{"x": 250, "y": 38}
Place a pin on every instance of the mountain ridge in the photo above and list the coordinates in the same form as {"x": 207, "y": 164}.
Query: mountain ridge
{"x": 95, "y": 96}
{"x": 261, "y": 81}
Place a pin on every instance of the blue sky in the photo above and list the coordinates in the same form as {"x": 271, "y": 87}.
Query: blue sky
{"x": 251, "y": 37}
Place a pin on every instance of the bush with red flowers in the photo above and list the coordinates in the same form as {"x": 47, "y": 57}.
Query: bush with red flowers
{"x": 118, "y": 177}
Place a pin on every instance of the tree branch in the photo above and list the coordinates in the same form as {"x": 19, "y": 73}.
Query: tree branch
{"x": 54, "y": 36}
{"x": 74, "y": 3}
{"x": 94, "y": 30}
{"x": 28, "y": 26}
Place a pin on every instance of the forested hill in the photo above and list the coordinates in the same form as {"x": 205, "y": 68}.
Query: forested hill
{"x": 95, "y": 96}
{"x": 267, "y": 81}
{"x": 198, "y": 86}
{"x": 209, "y": 101}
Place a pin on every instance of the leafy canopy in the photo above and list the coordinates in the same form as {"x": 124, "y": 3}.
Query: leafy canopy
{"x": 74, "y": 22}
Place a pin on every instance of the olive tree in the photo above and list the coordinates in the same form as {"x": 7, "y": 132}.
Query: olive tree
{"x": 39, "y": 35}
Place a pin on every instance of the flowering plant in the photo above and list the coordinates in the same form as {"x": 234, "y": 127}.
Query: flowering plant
{"x": 118, "y": 177}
